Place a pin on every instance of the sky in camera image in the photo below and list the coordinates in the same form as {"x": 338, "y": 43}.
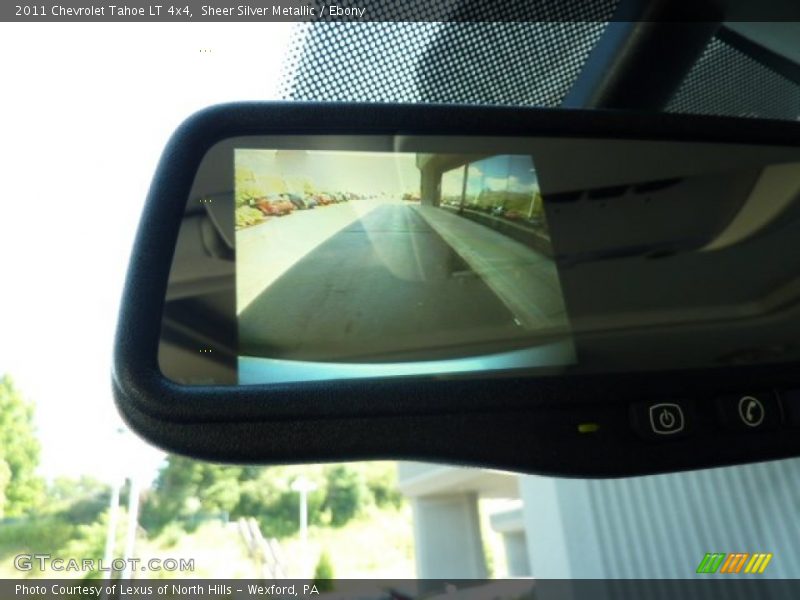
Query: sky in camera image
{"x": 331, "y": 171}
{"x": 502, "y": 173}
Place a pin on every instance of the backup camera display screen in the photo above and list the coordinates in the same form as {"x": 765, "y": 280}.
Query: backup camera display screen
{"x": 360, "y": 263}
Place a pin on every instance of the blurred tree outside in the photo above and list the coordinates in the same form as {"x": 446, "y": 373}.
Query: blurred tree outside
{"x": 186, "y": 489}
{"x": 184, "y": 486}
{"x": 323, "y": 573}
{"x": 69, "y": 516}
{"x": 381, "y": 481}
{"x": 345, "y": 493}
{"x": 79, "y": 500}
{"x": 21, "y": 489}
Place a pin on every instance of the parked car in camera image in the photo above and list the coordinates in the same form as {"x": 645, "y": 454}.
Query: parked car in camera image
{"x": 275, "y": 205}
{"x": 285, "y": 204}
{"x": 266, "y": 206}
{"x": 451, "y": 201}
{"x": 298, "y": 201}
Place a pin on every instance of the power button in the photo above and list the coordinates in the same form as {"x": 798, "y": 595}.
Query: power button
{"x": 667, "y": 418}
{"x": 661, "y": 420}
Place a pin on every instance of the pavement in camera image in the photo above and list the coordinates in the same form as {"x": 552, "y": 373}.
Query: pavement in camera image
{"x": 384, "y": 282}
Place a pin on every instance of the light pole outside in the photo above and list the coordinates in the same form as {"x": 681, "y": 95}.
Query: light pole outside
{"x": 303, "y": 486}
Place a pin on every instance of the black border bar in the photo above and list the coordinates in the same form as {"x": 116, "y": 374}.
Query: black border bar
{"x": 394, "y": 11}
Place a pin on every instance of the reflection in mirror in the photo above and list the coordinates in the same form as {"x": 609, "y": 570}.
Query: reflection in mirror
{"x": 328, "y": 257}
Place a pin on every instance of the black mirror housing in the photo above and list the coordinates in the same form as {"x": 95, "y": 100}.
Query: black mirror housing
{"x": 583, "y": 423}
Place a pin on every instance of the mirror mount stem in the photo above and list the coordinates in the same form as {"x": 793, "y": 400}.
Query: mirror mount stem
{"x": 619, "y": 72}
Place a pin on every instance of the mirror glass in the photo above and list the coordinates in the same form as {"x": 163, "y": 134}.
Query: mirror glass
{"x": 328, "y": 257}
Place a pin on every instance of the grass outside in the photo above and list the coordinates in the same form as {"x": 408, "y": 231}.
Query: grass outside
{"x": 377, "y": 544}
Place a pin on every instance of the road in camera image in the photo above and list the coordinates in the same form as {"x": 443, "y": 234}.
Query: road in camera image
{"x": 379, "y": 257}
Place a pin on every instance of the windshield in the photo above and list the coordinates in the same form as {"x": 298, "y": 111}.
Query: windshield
{"x": 82, "y": 131}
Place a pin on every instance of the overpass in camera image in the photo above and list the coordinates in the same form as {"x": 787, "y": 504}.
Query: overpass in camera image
{"x": 403, "y": 272}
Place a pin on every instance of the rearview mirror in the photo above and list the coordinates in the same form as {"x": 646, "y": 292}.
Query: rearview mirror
{"x": 568, "y": 292}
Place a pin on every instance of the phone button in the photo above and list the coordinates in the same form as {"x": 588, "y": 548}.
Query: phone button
{"x": 749, "y": 411}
